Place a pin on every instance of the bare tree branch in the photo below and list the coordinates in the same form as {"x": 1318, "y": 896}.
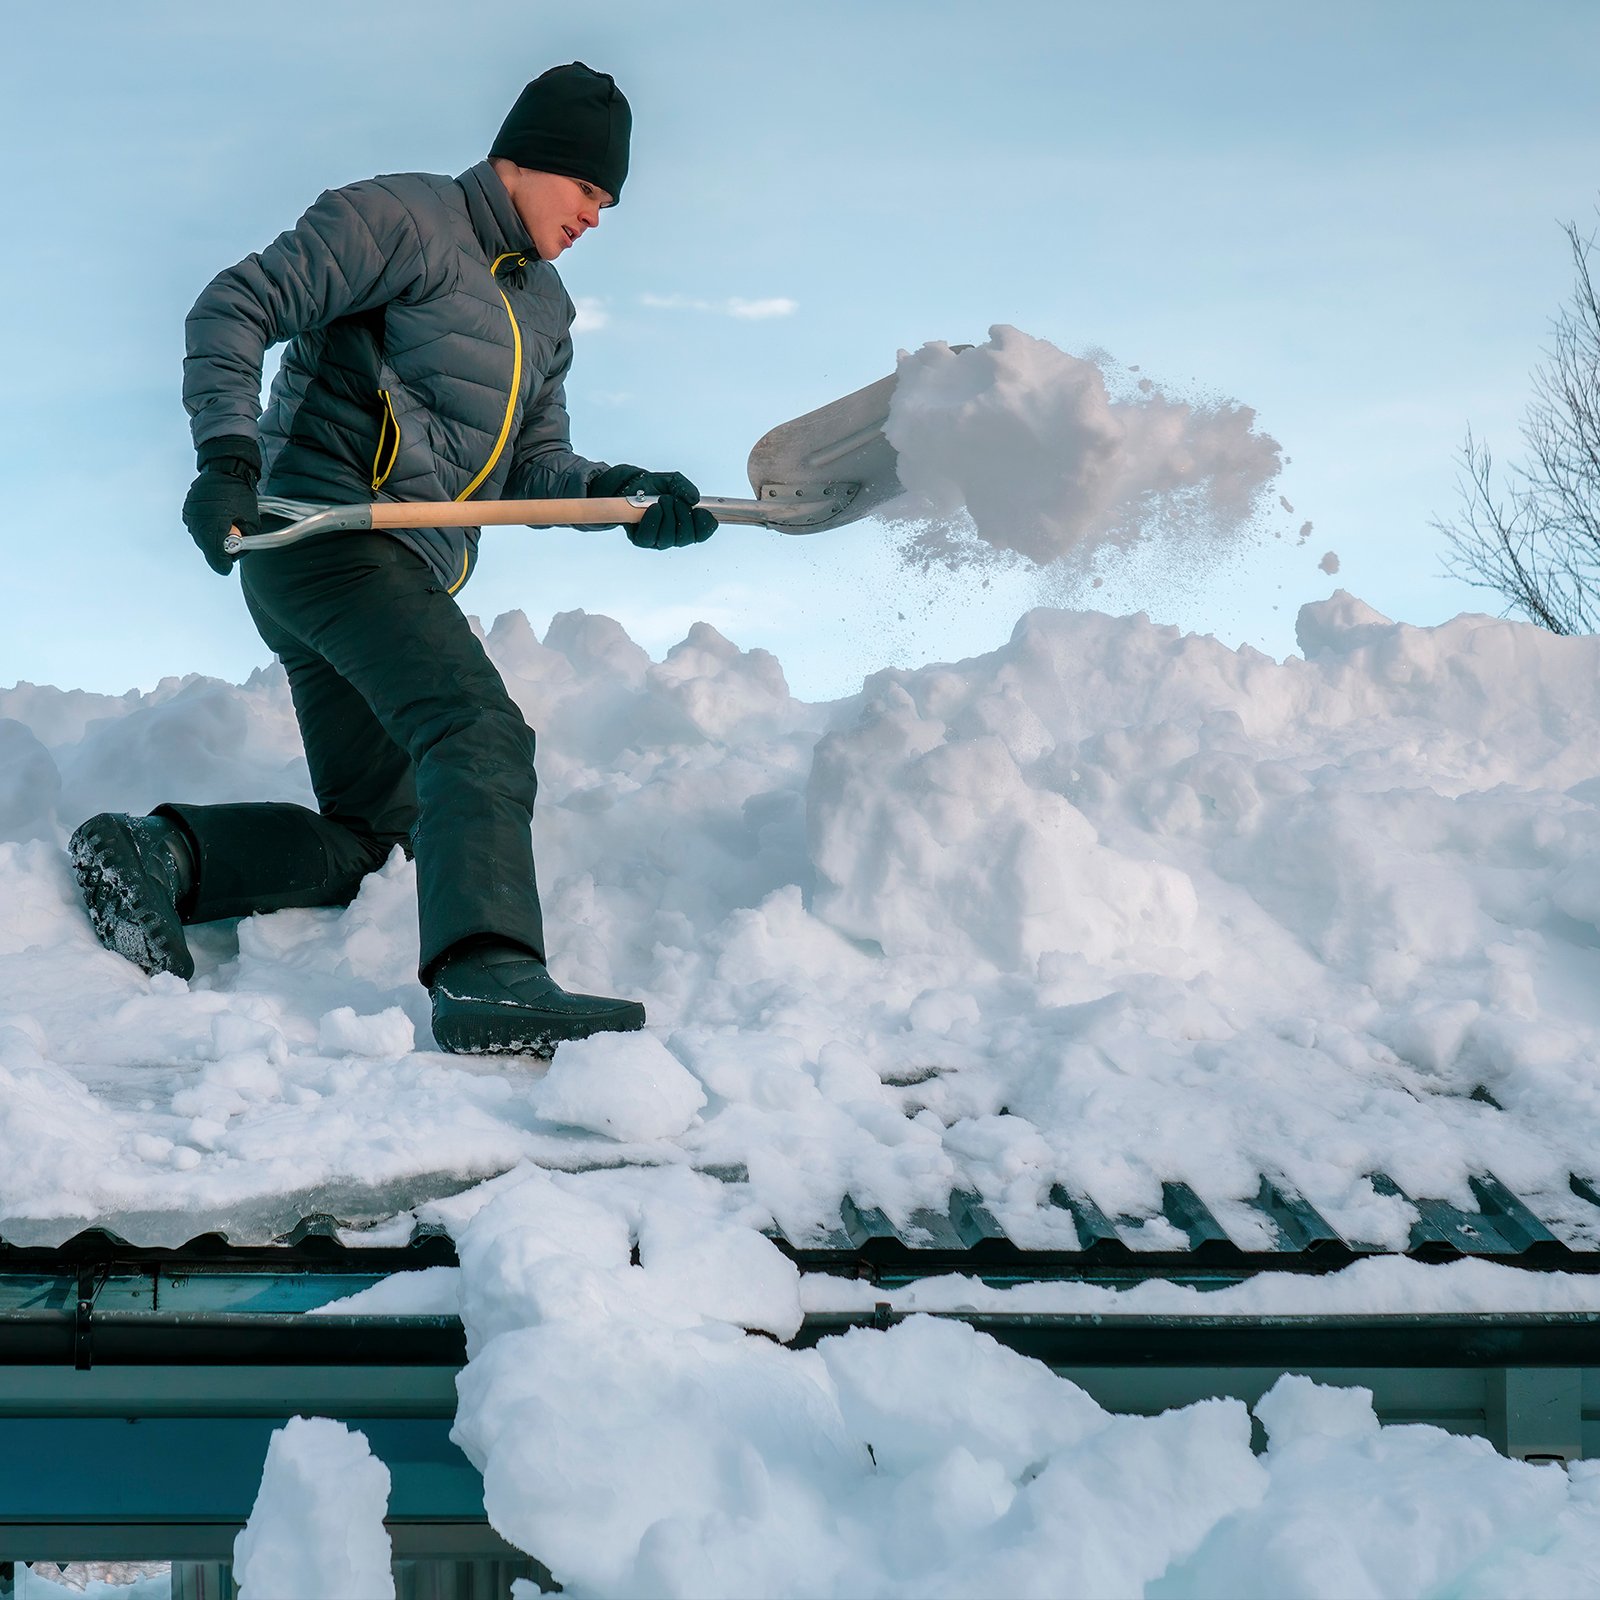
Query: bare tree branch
{"x": 1537, "y": 542}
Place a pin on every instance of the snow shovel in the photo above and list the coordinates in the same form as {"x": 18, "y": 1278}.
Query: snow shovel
{"x": 822, "y": 470}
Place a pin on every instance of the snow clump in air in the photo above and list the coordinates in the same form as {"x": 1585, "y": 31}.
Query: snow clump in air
{"x": 1026, "y": 447}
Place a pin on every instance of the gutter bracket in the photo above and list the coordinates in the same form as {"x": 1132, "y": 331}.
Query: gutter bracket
{"x": 91, "y": 1280}
{"x": 1535, "y": 1413}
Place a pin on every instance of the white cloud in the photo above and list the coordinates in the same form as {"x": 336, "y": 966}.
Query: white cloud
{"x": 592, "y": 314}
{"x": 778, "y": 306}
{"x": 733, "y": 306}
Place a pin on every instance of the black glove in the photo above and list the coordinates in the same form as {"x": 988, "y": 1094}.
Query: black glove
{"x": 223, "y": 497}
{"x": 673, "y": 520}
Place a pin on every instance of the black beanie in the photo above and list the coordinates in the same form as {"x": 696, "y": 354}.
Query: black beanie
{"x": 572, "y": 121}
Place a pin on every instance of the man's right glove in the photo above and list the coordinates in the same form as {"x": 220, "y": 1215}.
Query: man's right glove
{"x": 674, "y": 520}
{"x": 223, "y": 497}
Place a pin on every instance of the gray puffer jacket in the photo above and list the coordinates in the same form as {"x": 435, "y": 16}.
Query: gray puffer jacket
{"x": 428, "y": 349}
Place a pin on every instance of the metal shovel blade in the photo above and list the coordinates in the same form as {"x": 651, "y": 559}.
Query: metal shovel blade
{"x": 829, "y": 467}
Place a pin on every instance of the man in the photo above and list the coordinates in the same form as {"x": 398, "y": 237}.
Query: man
{"x": 428, "y": 342}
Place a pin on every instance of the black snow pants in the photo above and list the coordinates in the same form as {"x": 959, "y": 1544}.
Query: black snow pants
{"x": 411, "y": 739}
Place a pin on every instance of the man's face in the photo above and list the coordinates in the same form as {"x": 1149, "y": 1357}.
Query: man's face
{"x": 557, "y": 211}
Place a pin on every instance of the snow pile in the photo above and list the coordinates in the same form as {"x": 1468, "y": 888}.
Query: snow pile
{"x": 1025, "y": 446}
{"x": 640, "y": 1443}
{"x": 630, "y": 1433}
{"x": 316, "y": 1530}
{"x": 1352, "y": 1508}
{"x": 1108, "y": 906}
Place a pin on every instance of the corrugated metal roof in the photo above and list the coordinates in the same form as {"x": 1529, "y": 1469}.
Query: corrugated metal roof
{"x": 1275, "y": 1229}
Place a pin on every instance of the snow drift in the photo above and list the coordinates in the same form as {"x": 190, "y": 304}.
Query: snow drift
{"x": 1108, "y": 906}
{"x": 643, "y": 1445}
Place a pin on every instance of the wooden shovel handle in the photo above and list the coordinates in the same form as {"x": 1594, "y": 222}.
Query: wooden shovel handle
{"x": 502, "y": 513}
{"x": 482, "y": 513}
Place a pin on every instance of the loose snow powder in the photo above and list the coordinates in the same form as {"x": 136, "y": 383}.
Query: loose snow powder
{"x": 1025, "y": 447}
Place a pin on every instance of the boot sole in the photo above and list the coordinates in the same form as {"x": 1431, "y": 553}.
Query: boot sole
{"x": 466, "y": 1028}
{"x": 118, "y": 892}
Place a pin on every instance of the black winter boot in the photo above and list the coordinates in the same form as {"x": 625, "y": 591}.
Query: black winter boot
{"x": 133, "y": 874}
{"x": 498, "y": 999}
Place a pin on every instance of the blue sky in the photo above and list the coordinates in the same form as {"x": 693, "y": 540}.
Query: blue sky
{"x": 1347, "y": 218}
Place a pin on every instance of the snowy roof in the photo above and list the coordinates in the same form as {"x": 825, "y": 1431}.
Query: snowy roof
{"x": 1274, "y": 1230}
{"x": 1111, "y": 913}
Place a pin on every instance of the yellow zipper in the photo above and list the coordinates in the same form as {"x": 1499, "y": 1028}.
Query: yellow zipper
{"x": 390, "y": 423}
{"x": 511, "y": 404}
{"x": 389, "y": 428}
{"x": 516, "y": 379}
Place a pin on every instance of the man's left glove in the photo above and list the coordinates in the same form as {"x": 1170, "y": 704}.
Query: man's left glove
{"x": 223, "y": 497}
{"x": 674, "y": 519}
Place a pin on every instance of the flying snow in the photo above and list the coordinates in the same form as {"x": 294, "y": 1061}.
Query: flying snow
{"x": 1027, "y": 448}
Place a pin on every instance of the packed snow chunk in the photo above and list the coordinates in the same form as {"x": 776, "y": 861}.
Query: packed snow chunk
{"x": 342, "y": 1033}
{"x": 640, "y": 1444}
{"x": 542, "y": 1248}
{"x": 604, "y": 1397}
{"x": 727, "y": 1272}
{"x": 316, "y": 1530}
{"x": 560, "y": 1247}
{"x": 638, "y": 1458}
{"x": 1296, "y": 1408}
{"x": 1436, "y": 1513}
{"x": 628, "y": 1086}
{"x": 1029, "y": 442}
{"x": 1330, "y": 562}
